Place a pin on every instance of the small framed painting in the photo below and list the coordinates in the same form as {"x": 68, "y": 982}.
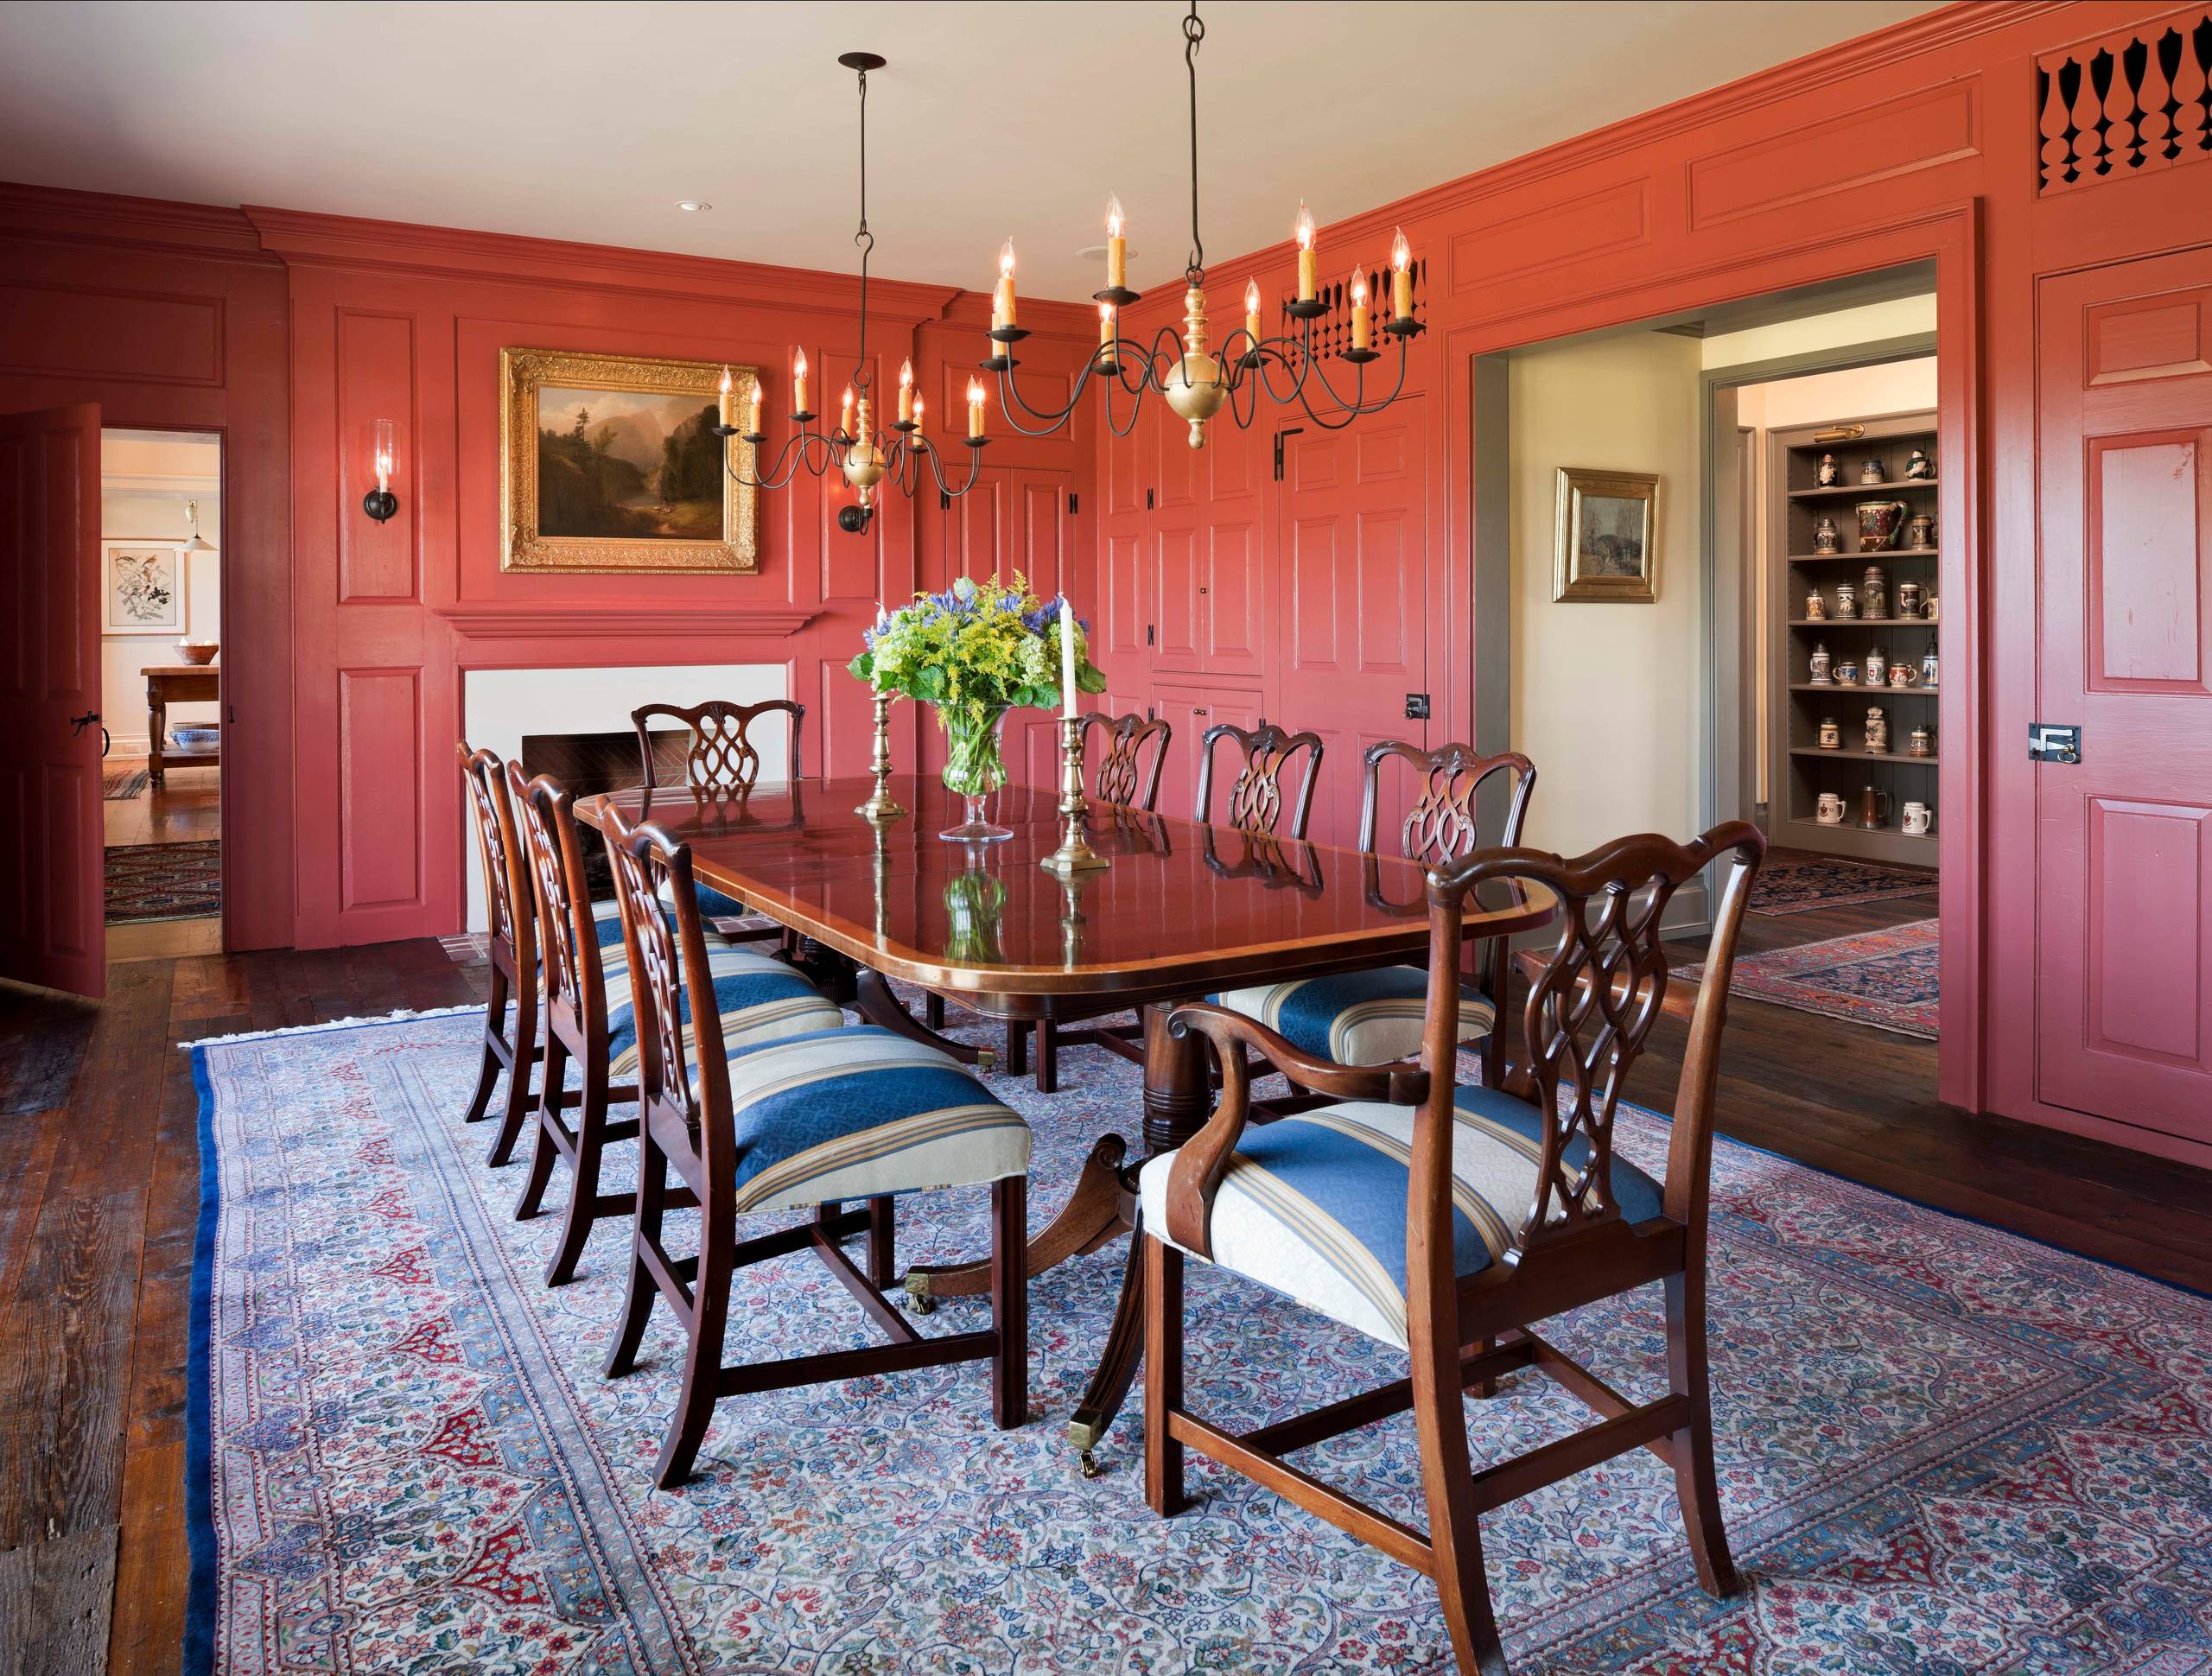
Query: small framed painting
{"x": 1606, "y": 543}
{"x": 142, "y": 587}
{"x": 611, "y": 463}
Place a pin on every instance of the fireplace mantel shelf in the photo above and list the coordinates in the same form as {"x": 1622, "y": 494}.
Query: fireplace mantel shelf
{"x": 487, "y": 621}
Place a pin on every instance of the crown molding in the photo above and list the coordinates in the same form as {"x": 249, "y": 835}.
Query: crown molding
{"x": 117, "y": 222}
{"x": 159, "y": 483}
{"x": 479, "y": 621}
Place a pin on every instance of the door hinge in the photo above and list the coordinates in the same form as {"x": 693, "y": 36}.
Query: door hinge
{"x": 1147, "y": 500}
{"x": 1280, "y": 434}
{"x": 1148, "y": 634}
{"x": 1416, "y": 707}
{"x": 1070, "y": 503}
{"x": 943, "y": 501}
{"x": 2050, "y": 741}
{"x": 1148, "y": 715}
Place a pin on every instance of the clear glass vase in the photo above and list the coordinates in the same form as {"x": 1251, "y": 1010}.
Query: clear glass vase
{"x": 975, "y": 769}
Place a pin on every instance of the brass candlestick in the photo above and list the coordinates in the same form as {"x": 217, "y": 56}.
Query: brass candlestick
{"x": 882, "y": 805}
{"x": 1075, "y": 854}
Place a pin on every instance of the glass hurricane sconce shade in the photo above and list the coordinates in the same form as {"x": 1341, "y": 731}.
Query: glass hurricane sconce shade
{"x": 380, "y": 503}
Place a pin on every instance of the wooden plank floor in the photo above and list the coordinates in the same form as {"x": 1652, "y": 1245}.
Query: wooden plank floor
{"x": 100, "y": 1194}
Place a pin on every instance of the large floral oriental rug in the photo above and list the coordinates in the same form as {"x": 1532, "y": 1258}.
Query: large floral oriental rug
{"x": 1943, "y": 1449}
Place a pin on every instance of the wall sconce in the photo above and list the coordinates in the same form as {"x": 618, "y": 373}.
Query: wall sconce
{"x": 380, "y": 503}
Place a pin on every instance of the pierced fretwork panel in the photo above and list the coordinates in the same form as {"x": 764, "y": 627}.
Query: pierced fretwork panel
{"x": 2134, "y": 101}
{"x": 656, "y": 985}
{"x": 1332, "y": 331}
{"x": 556, "y": 939}
{"x": 499, "y": 903}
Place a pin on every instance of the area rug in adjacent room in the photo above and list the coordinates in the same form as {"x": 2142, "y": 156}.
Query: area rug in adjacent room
{"x": 1795, "y": 882}
{"x": 120, "y": 785}
{"x": 1886, "y": 979}
{"x": 1942, "y": 1448}
{"x": 164, "y": 881}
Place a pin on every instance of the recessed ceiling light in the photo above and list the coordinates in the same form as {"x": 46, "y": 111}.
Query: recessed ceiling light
{"x": 694, "y": 205}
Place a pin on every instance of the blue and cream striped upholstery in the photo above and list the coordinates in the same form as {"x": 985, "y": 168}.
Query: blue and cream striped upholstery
{"x": 1369, "y": 1017}
{"x": 760, "y": 998}
{"x": 1315, "y": 1205}
{"x": 712, "y": 904}
{"x": 853, "y": 1113}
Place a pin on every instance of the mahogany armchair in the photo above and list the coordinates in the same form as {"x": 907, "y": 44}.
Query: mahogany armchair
{"x": 1446, "y": 1219}
{"x": 807, "y": 1120}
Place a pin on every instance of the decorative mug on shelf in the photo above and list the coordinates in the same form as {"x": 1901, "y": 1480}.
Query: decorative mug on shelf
{"x": 1829, "y": 810}
{"x": 1921, "y": 742}
{"x": 1846, "y": 601}
{"x": 1878, "y": 667}
{"x": 1919, "y": 466}
{"x": 1831, "y": 734}
{"x": 1827, "y": 538}
{"x": 1909, "y": 596}
{"x": 1920, "y": 530}
{"x": 1816, "y": 607}
{"x": 1878, "y": 731}
{"x": 1928, "y": 667}
{"x": 1902, "y": 674}
{"x": 1874, "y": 592}
{"x": 1928, "y": 613}
{"x": 1846, "y": 673}
{"x": 1821, "y": 664}
{"x": 1873, "y": 808}
{"x": 1919, "y": 818}
{"x": 1872, "y": 472}
{"x": 1878, "y": 523}
{"x": 1828, "y": 474}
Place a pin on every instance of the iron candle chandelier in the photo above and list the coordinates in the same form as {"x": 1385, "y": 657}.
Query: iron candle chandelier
{"x": 868, "y": 456}
{"x": 1193, "y": 379}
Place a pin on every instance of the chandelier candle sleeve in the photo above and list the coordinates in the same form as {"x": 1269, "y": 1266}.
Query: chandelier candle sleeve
{"x": 906, "y": 392}
{"x": 755, "y": 426}
{"x": 1308, "y": 258}
{"x": 727, "y": 401}
{"x": 1252, "y": 313}
{"x": 920, "y": 441}
{"x": 975, "y": 407}
{"x": 1363, "y": 318}
{"x": 798, "y": 382}
{"x": 1106, "y": 331}
{"x": 845, "y": 412}
{"x": 1402, "y": 277}
{"x": 1002, "y": 299}
{"x": 1117, "y": 248}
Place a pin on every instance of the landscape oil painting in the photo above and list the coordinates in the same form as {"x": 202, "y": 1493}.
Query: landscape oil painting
{"x": 613, "y": 463}
{"x": 1606, "y": 541}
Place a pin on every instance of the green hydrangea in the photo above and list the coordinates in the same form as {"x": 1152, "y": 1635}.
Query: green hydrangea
{"x": 976, "y": 649}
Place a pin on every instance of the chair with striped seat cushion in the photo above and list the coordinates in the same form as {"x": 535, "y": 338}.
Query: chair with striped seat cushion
{"x": 756, "y": 999}
{"x": 1315, "y": 1205}
{"x": 813, "y": 1119}
{"x": 1369, "y": 1017}
{"x": 1373, "y": 1017}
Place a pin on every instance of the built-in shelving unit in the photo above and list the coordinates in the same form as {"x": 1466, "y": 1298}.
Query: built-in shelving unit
{"x": 1800, "y": 768}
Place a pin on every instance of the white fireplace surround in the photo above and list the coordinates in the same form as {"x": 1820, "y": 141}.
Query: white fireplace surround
{"x": 499, "y": 706}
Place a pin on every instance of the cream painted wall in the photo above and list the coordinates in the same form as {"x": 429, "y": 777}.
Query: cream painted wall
{"x": 1605, "y": 696}
{"x": 146, "y": 478}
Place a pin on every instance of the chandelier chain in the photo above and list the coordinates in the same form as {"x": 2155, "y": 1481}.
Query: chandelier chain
{"x": 1194, "y": 34}
{"x": 866, "y": 240}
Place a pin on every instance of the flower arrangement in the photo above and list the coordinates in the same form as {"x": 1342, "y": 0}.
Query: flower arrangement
{"x": 972, "y": 653}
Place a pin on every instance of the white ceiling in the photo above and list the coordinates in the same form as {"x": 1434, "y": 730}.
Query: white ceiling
{"x": 590, "y": 121}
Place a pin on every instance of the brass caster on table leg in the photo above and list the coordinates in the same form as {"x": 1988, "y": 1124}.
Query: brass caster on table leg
{"x": 986, "y": 1060}
{"x": 919, "y": 1301}
{"x": 1090, "y": 1467}
{"x": 1082, "y": 1437}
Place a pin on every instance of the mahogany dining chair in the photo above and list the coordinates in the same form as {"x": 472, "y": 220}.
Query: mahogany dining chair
{"x": 511, "y": 935}
{"x": 1444, "y": 1220}
{"x": 806, "y": 1122}
{"x": 720, "y": 759}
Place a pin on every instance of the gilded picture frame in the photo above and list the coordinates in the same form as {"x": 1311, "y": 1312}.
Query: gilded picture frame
{"x": 1605, "y": 537}
{"x": 606, "y": 465}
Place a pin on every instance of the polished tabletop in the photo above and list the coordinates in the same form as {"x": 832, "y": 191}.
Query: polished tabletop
{"x": 1179, "y": 901}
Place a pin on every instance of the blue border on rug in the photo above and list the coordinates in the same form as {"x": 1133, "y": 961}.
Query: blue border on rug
{"x": 199, "y": 1473}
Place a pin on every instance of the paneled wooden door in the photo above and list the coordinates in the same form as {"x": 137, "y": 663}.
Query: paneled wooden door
{"x": 2124, "y": 837}
{"x": 1352, "y": 526}
{"x": 52, "y": 910}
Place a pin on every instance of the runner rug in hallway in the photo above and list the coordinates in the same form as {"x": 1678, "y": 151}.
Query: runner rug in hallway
{"x": 1942, "y": 1448}
{"x": 164, "y": 881}
{"x": 1796, "y": 882}
{"x": 1885, "y": 979}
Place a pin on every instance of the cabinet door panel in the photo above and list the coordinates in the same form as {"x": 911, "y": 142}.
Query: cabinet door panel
{"x": 1176, "y": 568}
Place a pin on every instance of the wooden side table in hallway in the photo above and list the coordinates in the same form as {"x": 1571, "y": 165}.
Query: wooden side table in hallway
{"x": 177, "y": 683}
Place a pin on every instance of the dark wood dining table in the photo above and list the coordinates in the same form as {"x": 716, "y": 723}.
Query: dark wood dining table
{"x": 1181, "y": 910}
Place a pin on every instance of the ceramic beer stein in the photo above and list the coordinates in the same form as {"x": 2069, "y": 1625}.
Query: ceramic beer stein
{"x": 1928, "y": 667}
{"x": 1827, "y": 538}
{"x": 1820, "y": 662}
{"x": 1846, "y": 673}
{"x": 1828, "y": 474}
{"x": 1902, "y": 674}
{"x": 1831, "y": 735}
{"x": 1909, "y": 596}
{"x": 1878, "y": 523}
{"x": 1816, "y": 606}
{"x": 1874, "y": 592}
{"x": 1919, "y": 466}
{"x": 1846, "y": 601}
{"x": 1872, "y": 472}
{"x": 1878, "y": 667}
{"x": 1918, "y": 818}
{"x": 1873, "y": 808}
{"x": 1928, "y": 612}
{"x": 1830, "y": 811}
{"x": 1921, "y": 742}
{"x": 1878, "y": 730}
{"x": 1920, "y": 530}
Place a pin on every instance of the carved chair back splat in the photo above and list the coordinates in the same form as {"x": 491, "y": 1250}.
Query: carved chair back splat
{"x": 1255, "y": 797}
{"x": 723, "y": 757}
{"x": 1121, "y": 779}
{"x": 511, "y": 920}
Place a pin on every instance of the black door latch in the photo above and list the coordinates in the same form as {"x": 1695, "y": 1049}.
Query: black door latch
{"x": 77, "y": 724}
{"x": 2051, "y": 742}
{"x": 1416, "y": 707}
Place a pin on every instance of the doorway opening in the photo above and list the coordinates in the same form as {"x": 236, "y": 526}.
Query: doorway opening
{"x": 160, "y": 689}
{"x": 1675, "y": 495}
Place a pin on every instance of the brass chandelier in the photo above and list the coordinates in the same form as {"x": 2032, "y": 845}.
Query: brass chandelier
{"x": 1195, "y": 380}
{"x": 869, "y": 457}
